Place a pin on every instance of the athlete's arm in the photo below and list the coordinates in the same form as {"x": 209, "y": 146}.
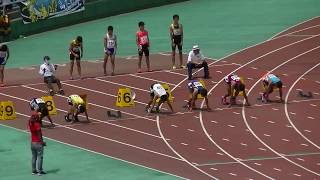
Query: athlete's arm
{"x": 81, "y": 47}
{"x": 171, "y": 32}
{"x": 105, "y": 41}
{"x": 181, "y": 34}
{"x": 71, "y": 51}
{"x": 137, "y": 40}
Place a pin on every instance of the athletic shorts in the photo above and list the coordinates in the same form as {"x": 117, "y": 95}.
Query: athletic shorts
{"x": 164, "y": 98}
{"x": 50, "y": 79}
{"x": 239, "y": 87}
{"x": 3, "y": 61}
{"x": 177, "y": 42}
{"x": 278, "y": 84}
{"x": 144, "y": 50}
{"x": 72, "y": 57}
{"x": 43, "y": 110}
{"x": 109, "y": 51}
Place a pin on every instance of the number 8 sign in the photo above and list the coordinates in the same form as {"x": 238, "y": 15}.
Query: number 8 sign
{"x": 50, "y": 104}
{"x": 7, "y": 111}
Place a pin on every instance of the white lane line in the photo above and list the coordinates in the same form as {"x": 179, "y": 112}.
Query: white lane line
{"x": 309, "y": 117}
{"x": 233, "y": 174}
{"x": 150, "y": 79}
{"x": 316, "y": 93}
{"x": 254, "y": 68}
{"x": 191, "y": 130}
{"x": 285, "y": 140}
{"x": 225, "y": 139}
{"x": 176, "y": 73}
{"x": 220, "y": 154}
{"x": 215, "y": 169}
{"x": 119, "y": 84}
{"x": 219, "y": 72}
{"x": 197, "y": 117}
{"x": 262, "y": 149}
{"x": 244, "y": 144}
{"x": 268, "y": 135}
{"x": 306, "y": 130}
{"x": 302, "y": 78}
{"x": 272, "y": 122}
{"x": 236, "y": 113}
{"x": 173, "y": 125}
{"x": 293, "y": 113}
{"x": 253, "y": 117}
{"x": 231, "y": 126}
{"x": 275, "y": 109}
{"x": 277, "y": 169}
{"x": 214, "y": 122}
{"x": 314, "y": 105}
{"x": 300, "y": 159}
{"x": 202, "y": 149}
{"x": 221, "y": 80}
{"x": 185, "y": 144}
{"x": 297, "y": 174}
{"x": 258, "y": 164}
{"x": 289, "y": 126}
{"x": 318, "y": 164}
{"x": 304, "y": 145}
{"x": 249, "y": 78}
{"x": 318, "y": 82}
{"x": 284, "y": 74}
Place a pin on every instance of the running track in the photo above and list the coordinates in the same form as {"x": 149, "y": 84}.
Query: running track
{"x": 264, "y": 141}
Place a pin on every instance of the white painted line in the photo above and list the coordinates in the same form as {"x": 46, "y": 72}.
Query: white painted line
{"x": 250, "y": 78}
{"x": 197, "y": 117}
{"x": 306, "y": 130}
{"x": 244, "y": 144}
{"x": 191, "y": 130}
{"x": 275, "y": 109}
{"x": 253, "y": 117}
{"x": 214, "y": 82}
{"x": 272, "y": 122}
{"x": 316, "y": 93}
{"x": 254, "y": 68}
{"x": 219, "y": 72}
{"x": 220, "y": 154}
{"x": 285, "y": 140}
{"x": 309, "y": 117}
{"x": 247, "y": 130}
{"x": 300, "y": 159}
{"x": 318, "y": 164}
{"x": 231, "y": 126}
{"x": 257, "y": 164}
{"x": 168, "y": 139}
{"x": 298, "y": 89}
{"x": 185, "y": 144}
{"x": 214, "y": 122}
{"x": 214, "y": 169}
{"x": 303, "y": 78}
{"x": 172, "y": 125}
{"x": 233, "y": 174}
{"x": 293, "y": 113}
{"x": 314, "y": 105}
{"x": 176, "y": 73}
{"x": 284, "y": 74}
{"x": 289, "y": 126}
{"x": 225, "y": 139}
{"x": 318, "y": 82}
{"x": 262, "y": 149}
{"x": 139, "y": 89}
{"x": 150, "y": 79}
{"x": 236, "y": 113}
{"x": 277, "y": 169}
{"x": 202, "y": 149}
{"x": 304, "y": 145}
{"x": 297, "y": 175}
{"x": 268, "y": 135}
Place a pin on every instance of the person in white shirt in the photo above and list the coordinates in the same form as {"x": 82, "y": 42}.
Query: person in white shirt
{"x": 157, "y": 91}
{"x": 110, "y": 48}
{"x": 196, "y": 60}
{"x": 47, "y": 70}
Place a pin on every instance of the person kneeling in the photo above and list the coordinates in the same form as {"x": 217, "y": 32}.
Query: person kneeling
{"x": 78, "y": 106}
{"x": 157, "y": 91}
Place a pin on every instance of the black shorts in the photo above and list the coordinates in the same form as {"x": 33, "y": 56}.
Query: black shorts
{"x": 43, "y": 110}
{"x": 72, "y": 57}
{"x": 50, "y": 79}
{"x": 144, "y": 49}
{"x": 177, "y": 42}
{"x": 239, "y": 87}
{"x": 164, "y": 98}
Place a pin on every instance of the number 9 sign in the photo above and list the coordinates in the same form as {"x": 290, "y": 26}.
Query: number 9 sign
{"x": 7, "y": 110}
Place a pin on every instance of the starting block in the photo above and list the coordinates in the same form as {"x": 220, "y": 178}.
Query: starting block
{"x": 7, "y": 110}
{"x": 118, "y": 115}
{"x": 50, "y": 104}
{"x": 305, "y": 95}
{"x": 241, "y": 92}
{"x": 125, "y": 98}
{"x": 168, "y": 90}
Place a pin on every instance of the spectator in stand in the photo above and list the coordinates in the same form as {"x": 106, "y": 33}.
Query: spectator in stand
{"x": 4, "y": 56}
{"x": 143, "y": 43}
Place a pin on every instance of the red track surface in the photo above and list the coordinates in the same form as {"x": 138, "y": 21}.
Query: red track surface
{"x": 264, "y": 141}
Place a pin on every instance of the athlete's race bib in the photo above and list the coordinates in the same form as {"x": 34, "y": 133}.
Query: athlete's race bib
{"x": 111, "y": 43}
{"x": 38, "y": 101}
{"x": 144, "y": 40}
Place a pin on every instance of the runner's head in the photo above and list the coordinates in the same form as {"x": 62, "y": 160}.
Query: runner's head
{"x": 3, "y": 47}
{"x": 81, "y": 108}
{"x": 175, "y": 18}
{"x": 110, "y": 29}
{"x": 196, "y": 49}
{"x": 141, "y": 25}
{"x": 79, "y": 39}
{"x": 46, "y": 59}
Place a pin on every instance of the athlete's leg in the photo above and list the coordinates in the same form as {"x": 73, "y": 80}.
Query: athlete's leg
{"x": 79, "y": 67}
{"x": 71, "y": 68}
{"x": 112, "y": 58}
{"x": 105, "y": 61}
{"x": 173, "y": 58}
{"x": 1, "y": 74}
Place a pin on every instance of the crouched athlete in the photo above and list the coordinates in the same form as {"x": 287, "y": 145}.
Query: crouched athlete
{"x": 78, "y": 106}
{"x": 195, "y": 88}
{"x": 158, "y": 91}
{"x": 38, "y": 104}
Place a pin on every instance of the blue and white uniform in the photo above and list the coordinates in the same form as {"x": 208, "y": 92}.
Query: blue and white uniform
{"x": 271, "y": 78}
{"x": 3, "y": 57}
{"x": 195, "y": 84}
{"x": 111, "y": 42}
